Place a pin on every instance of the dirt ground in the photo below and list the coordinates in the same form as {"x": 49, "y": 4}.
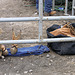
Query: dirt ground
{"x": 45, "y": 64}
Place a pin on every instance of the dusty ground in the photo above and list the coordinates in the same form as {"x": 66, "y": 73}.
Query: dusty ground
{"x": 45, "y": 64}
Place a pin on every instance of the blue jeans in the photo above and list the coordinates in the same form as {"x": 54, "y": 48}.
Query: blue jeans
{"x": 48, "y": 5}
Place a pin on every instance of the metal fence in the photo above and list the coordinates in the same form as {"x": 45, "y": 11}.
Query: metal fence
{"x": 41, "y": 18}
{"x": 73, "y": 7}
{"x": 67, "y": 4}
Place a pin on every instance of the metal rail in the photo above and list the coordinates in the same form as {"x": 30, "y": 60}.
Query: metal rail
{"x": 66, "y": 7}
{"x": 40, "y": 19}
{"x": 73, "y": 7}
{"x": 23, "y": 19}
{"x": 29, "y": 41}
{"x": 19, "y": 19}
{"x": 40, "y": 16}
{"x": 53, "y": 6}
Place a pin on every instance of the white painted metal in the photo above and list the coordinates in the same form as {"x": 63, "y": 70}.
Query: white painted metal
{"x": 23, "y": 19}
{"x": 40, "y": 19}
{"x": 73, "y": 7}
{"x": 66, "y": 7}
{"x": 53, "y": 5}
{"x": 56, "y": 18}
{"x": 19, "y": 19}
{"x": 40, "y": 16}
{"x": 37, "y": 40}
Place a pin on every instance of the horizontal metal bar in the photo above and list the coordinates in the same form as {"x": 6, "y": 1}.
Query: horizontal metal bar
{"x": 19, "y": 19}
{"x": 36, "y": 40}
{"x": 22, "y": 19}
{"x": 59, "y": 18}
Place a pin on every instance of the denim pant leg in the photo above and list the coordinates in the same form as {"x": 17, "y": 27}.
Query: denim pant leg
{"x": 37, "y": 4}
{"x": 48, "y": 6}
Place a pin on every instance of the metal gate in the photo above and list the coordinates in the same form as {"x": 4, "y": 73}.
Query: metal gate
{"x": 73, "y": 7}
{"x": 66, "y": 7}
{"x": 41, "y": 18}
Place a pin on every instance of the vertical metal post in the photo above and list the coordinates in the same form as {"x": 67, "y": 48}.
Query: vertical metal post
{"x": 66, "y": 7}
{"x": 40, "y": 16}
{"x": 73, "y": 8}
{"x": 53, "y": 6}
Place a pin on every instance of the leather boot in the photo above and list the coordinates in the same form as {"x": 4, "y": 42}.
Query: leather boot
{"x": 52, "y": 13}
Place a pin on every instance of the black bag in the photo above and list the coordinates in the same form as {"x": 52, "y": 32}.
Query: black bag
{"x": 62, "y": 48}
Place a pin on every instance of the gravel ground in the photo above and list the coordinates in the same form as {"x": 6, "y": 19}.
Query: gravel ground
{"x": 45, "y": 64}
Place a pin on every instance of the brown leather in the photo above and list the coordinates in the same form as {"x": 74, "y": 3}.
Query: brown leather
{"x": 14, "y": 37}
{"x": 52, "y": 13}
{"x": 4, "y": 50}
{"x": 65, "y": 30}
{"x": 15, "y": 46}
{"x": 49, "y": 14}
